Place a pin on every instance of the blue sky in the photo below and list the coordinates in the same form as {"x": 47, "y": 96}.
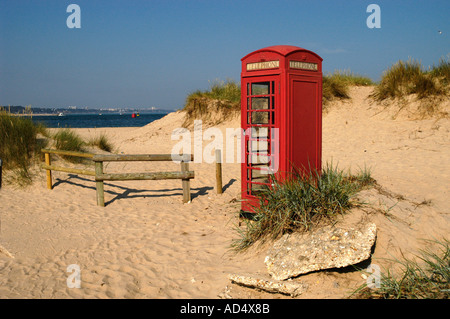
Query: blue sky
{"x": 153, "y": 53}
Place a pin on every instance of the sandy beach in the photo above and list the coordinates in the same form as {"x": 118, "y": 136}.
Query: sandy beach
{"x": 147, "y": 244}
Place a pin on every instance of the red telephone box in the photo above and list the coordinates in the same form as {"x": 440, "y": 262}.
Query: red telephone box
{"x": 281, "y": 116}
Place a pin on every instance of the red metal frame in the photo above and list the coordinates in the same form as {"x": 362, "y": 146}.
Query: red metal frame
{"x": 294, "y": 102}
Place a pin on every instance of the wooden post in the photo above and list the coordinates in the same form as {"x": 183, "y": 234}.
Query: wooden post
{"x": 219, "y": 189}
{"x": 1, "y": 168}
{"x": 186, "y": 183}
{"x": 49, "y": 172}
{"x": 99, "y": 184}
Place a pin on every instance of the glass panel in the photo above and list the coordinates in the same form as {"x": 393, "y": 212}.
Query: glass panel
{"x": 260, "y": 88}
{"x": 260, "y": 118}
{"x": 258, "y": 159}
{"x": 258, "y": 176}
{"x": 257, "y": 187}
{"x": 260, "y": 103}
{"x": 248, "y": 88}
{"x": 257, "y": 146}
{"x": 248, "y": 104}
{"x": 260, "y": 132}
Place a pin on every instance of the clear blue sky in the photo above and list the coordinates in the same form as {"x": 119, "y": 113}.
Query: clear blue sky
{"x": 153, "y": 53}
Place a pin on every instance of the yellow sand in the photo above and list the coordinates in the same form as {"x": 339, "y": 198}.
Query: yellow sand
{"x": 147, "y": 244}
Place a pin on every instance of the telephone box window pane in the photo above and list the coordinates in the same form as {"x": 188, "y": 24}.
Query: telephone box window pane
{"x": 248, "y": 88}
{"x": 258, "y": 176}
{"x": 260, "y": 132}
{"x": 248, "y": 104}
{"x": 258, "y": 159}
{"x": 260, "y": 117}
{"x": 260, "y": 88}
{"x": 257, "y": 189}
{"x": 260, "y": 103}
{"x": 258, "y": 146}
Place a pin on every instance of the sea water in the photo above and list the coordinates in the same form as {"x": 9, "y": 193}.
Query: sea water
{"x": 97, "y": 120}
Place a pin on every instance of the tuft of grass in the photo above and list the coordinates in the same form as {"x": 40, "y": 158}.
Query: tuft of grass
{"x": 68, "y": 140}
{"x": 336, "y": 84}
{"x": 19, "y": 143}
{"x": 101, "y": 142}
{"x": 429, "y": 279}
{"x": 442, "y": 71}
{"x": 405, "y": 78}
{"x": 299, "y": 203}
{"x": 224, "y": 97}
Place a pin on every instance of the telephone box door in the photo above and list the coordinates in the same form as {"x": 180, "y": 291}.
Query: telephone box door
{"x": 260, "y": 123}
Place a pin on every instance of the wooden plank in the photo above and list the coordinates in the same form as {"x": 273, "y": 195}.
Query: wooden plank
{"x": 99, "y": 184}
{"x": 66, "y": 169}
{"x": 67, "y": 153}
{"x": 144, "y": 176}
{"x": 185, "y": 183}
{"x": 49, "y": 172}
{"x": 219, "y": 188}
{"x": 142, "y": 157}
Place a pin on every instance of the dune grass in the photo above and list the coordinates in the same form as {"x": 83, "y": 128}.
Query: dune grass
{"x": 427, "y": 278}
{"x": 409, "y": 77}
{"x": 19, "y": 144}
{"x": 21, "y": 141}
{"x": 67, "y": 140}
{"x": 300, "y": 203}
{"x": 223, "y": 98}
{"x": 336, "y": 85}
{"x": 101, "y": 142}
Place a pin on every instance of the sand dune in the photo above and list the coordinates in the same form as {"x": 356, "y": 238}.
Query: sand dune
{"x": 147, "y": 244}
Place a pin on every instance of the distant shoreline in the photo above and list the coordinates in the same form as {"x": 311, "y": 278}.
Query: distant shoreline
{"x": 43, "y": 114}
{"x": 68, "y": 114}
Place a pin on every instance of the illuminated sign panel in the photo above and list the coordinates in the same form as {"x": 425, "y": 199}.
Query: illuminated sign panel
{"x": 303, "y": 65}
{"x": 263, "y": 65}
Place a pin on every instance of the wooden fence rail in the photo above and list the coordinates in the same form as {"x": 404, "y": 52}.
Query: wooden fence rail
{"x": 185, "y": 175}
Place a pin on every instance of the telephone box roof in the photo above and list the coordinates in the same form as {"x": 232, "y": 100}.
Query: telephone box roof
{"x": 283, "y": 50}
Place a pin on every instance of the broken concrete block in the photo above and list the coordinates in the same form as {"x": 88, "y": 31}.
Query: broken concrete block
{"x": 329, "y": 247}
{"x": 292, "y": 288}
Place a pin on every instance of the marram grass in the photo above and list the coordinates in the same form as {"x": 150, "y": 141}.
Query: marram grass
{"x": 427, "y": 277}
{"x": 19, "y": 143}
{"x": 300, "y": 203}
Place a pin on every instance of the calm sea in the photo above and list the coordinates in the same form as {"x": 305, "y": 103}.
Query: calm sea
{"x": 97, "y": 120}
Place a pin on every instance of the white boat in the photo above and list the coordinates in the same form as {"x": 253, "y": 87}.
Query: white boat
{"x": 61, "y": 114}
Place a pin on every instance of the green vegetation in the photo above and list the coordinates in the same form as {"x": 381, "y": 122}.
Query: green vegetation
{"x": 301, "y": 202}
{"x": 19, "y": 143}
{"x": 336, "y": 84}
{"x": 225, "y": 97}
{"x": 68, "y": 140}
{"x": 428, "y": 280}
{"x": 405, "y": 78}
{"x": 101, "y": 142}
{"x": 222, "y": 97}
